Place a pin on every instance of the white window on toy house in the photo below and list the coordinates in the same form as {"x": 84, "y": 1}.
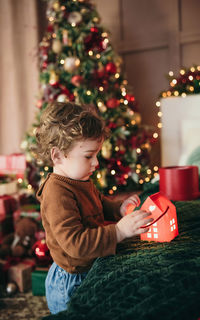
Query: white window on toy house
{"x": 153, "y": 232}
{"x": 172, "y": 225}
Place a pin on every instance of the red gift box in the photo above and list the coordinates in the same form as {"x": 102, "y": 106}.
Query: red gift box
{"x": 13, "y": 164}
{"x": 179, "y": 183}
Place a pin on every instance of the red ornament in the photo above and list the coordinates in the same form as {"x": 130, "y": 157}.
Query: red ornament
{"x": 44, "y": 65}
{"x": 39, "y": 104}
{"x": 66, "y": 91}
{"x": 112, "y": 103}
{"x": 50, "y": 28}
{"x": 41, "y": 253}
{"x": 129, "y": 97}
{"x": 77, "y": 80}
{"x": 111, "y": 68}
{"x": 94, "y": 29}
{"x": 94, "y": 41}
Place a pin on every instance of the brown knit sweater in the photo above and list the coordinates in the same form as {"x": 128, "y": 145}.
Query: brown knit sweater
{"x": 73, "y": 214}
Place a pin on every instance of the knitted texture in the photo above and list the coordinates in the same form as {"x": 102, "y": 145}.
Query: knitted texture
{"x": 145, "y": 280}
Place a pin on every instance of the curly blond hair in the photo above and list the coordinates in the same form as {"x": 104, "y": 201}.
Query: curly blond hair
{"x": 63, "y": 124}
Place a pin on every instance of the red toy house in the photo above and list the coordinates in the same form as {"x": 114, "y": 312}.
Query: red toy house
{"x": 164, "y": 228}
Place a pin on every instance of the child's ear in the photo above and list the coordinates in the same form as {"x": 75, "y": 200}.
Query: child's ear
{"x": 56, "y": 155}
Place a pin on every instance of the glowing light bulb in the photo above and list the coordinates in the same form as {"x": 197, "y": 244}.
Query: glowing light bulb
{"x": 157, "y": 103}
{"x": 176, "y": 93}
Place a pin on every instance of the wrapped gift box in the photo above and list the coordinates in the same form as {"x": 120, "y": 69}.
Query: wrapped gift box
{"x": 38, "y": 281}
{"x": 164, "y": 228}
{"x": 8, "y": 185}
{"x": 21, "y": 275}
{"x": 8, "y": 205}
{"x": 13, "y": 164}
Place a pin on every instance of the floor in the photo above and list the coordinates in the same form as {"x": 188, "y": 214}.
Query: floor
{"x": 23, "y": 306}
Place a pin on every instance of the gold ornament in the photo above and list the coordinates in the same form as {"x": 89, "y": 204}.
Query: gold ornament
{"x": 62, "y": 98}
{"x": 57, "y": 46}
{"x": 120, "y": 122}
{"x": 56, "y": 5}
{"x": 53, "y": 77}
{"x": 137, "y": 118}
{"x": 11, "y": 288}
{"x": 66, "y": 40}
{"x": 71, "y": 64}
{"x": 101, "y": 106}
{"x": 106, "y": 150}
{"x": 101, "y": 176}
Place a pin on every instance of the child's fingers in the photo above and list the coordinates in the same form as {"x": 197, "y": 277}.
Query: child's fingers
{"x": 134, "y": 199}
{"x": 140, "y": 214}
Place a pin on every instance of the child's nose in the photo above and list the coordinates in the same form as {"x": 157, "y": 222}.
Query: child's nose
{"x": 95, "y": 162}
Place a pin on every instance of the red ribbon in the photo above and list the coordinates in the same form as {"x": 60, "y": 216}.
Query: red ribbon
{"x": 150, "y": 224}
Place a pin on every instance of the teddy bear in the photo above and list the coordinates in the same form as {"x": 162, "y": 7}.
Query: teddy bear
{"x": 20, "y": 242}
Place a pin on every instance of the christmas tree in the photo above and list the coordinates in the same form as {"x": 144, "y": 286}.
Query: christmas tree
{"x": 78, "y": 63}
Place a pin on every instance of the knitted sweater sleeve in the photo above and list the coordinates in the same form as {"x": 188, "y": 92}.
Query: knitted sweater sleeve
{"x": 111, "y": 208}
{"x": 73, "y": 236}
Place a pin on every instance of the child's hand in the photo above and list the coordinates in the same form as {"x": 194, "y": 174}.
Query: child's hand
{"x": 130, "y": 225}
{"x": 129, "y": 204}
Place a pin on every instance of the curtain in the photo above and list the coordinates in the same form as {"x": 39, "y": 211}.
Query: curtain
{"x": 18, "y": 71}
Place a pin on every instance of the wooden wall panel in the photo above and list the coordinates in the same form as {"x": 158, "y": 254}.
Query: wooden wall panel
{"x": 153, "y": 37}
{"x": 190, "y": 11}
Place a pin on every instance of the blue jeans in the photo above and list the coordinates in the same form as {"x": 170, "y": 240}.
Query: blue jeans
{"x": 59, "y": 286}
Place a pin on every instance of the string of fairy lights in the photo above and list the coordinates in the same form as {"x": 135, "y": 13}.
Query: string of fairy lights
{"x": 186, "y": 83}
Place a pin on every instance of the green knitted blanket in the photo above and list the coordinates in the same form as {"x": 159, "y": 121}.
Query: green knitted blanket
{"x": 145, "y": 280}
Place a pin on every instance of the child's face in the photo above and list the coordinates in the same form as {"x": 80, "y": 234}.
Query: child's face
{"x": 81, "y": 161}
